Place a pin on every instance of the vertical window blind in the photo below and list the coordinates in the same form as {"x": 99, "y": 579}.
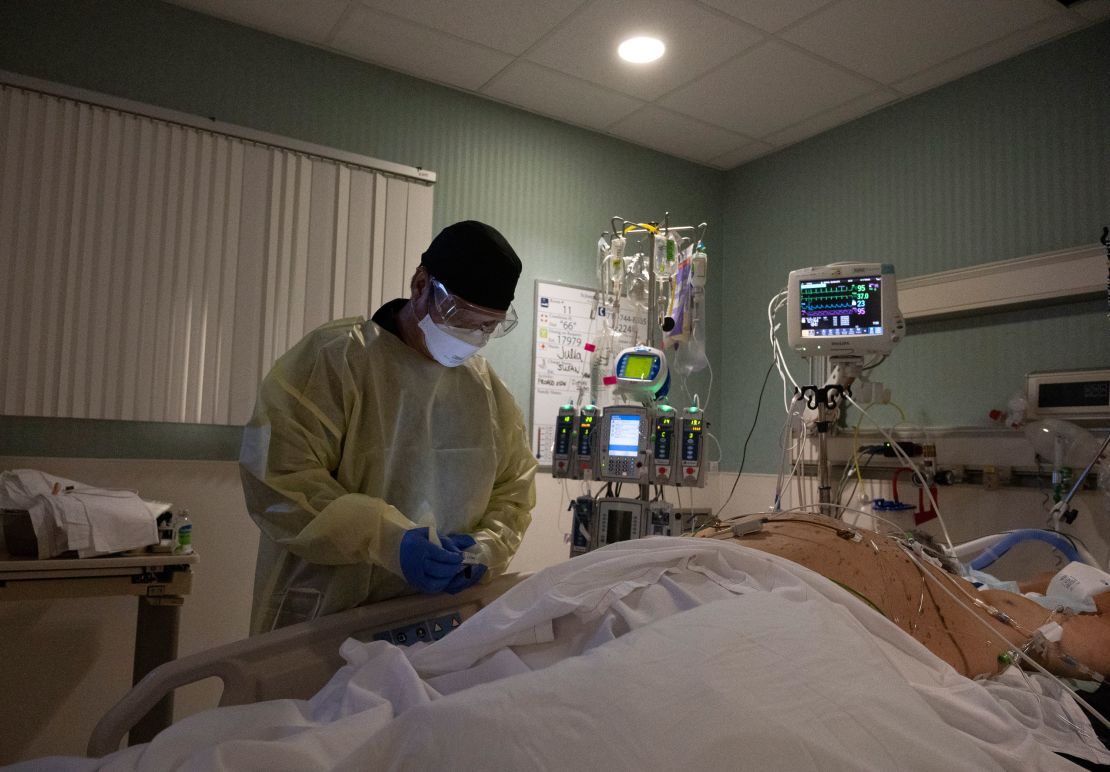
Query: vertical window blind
{"x": 153, "y": 270}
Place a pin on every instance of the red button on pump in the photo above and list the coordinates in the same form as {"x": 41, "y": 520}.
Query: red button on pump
{"x": 662, "y": 470}
{"x": 689, "y": 470}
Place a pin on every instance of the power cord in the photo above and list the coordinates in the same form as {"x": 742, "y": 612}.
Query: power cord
{"x": 744, "y": 453}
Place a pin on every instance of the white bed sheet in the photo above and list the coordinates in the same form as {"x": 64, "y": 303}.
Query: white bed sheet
{"x": 653, "y": 654}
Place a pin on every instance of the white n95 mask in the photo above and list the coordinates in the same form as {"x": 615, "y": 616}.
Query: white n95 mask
{"x": 444, "y": 347}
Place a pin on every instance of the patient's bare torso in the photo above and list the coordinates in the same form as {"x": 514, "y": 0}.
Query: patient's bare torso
{"x": 878, "y": 570}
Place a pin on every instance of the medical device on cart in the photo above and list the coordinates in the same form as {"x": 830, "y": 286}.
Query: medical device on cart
{"x": 663, "y": 445}
{"x": 841, "y": 312}
{"x": 642, "y": 371}
{"x": 623, "y": 445}
{"x": 563, "y": 449}
{"x": 601, "y": 522}
{"x": 619, "y": 519}
{"x": 691, "y": 466}
{"x": 572, "y": 454}
{"x": 652, "y": 268}
{"x": 583, "y": 465}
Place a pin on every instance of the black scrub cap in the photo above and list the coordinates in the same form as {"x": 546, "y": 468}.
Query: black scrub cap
{"x": 472, "y": 260}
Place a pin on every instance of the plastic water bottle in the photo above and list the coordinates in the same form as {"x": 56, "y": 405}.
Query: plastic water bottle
{"x": 184, "y": 534}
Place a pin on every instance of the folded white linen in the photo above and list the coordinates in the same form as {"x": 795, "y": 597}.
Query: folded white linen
{"x": 70, "y": 516}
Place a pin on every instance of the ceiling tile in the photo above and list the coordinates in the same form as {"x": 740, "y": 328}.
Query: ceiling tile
{"x": 767, "y": 89}
{"x": 736, "y": 71}
{"x": 992, "y": 53}
{"x": 551, "y": 93}
{"x": 402, "y": 45}
{"x": 507, "y": 25}
{"x": 769, "y": 15}
{"x": 824, "y": 121}
{"x": 308, "y": 20}
{"x": 889, "y": 40}
{"x": 697, "y": 39}
{"x": 676, "y": 134}
{"x": 742, "y": 154}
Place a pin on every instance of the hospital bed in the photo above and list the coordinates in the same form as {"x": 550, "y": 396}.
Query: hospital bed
{"x": 294, "y": 662}
{"x": 648, "y": 654}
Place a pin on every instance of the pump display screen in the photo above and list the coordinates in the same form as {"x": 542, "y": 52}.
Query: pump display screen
{"x": 563, "y": 429}
{"x": 849, "y": 305}
{"x": 585, "y": 433}
{"x": 638, "y": 367}
{"x": 664, "y": 431}
{"x": 624, "y": 435}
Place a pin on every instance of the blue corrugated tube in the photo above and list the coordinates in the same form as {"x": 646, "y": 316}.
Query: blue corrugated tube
{"x": 1053, "y": 539}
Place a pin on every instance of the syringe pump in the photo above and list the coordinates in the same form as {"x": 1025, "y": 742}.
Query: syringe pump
{"x": 691, "y": 450}
{"x": 663, "y": 445}
{"x": 563, "y": 447}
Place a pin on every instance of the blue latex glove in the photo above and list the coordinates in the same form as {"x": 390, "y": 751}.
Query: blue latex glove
{"x": 425, "y": 566}
{"x": 457, "y": 542}
{"x": 467, "y": 577}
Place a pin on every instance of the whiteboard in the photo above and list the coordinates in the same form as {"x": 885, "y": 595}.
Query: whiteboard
{"x": 567, "y": 320}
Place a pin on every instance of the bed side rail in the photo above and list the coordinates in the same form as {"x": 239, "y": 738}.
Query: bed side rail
{"x": 293, "y": 662}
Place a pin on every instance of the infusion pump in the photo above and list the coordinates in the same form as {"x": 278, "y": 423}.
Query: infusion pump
{"x": 601, "y": 522}
{"x": 661, "y": 445}
{"x": 622, "y": 453}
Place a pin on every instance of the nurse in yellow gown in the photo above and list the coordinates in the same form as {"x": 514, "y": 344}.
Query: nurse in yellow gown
{"x": 381, "y": 450}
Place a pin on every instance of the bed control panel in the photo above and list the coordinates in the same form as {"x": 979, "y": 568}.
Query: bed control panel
{"x": 426, "y": 631}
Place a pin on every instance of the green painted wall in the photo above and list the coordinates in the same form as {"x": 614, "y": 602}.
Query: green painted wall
{"x": 549, "y": 187}
{"x": 1010, "y": 161}
{"x": 1006, "y": 162}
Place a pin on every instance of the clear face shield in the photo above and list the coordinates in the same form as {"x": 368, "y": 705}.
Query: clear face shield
{"x": 464, "y": 320}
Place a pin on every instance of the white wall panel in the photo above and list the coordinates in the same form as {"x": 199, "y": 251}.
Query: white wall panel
{"x": 394, "y": 282}
{"x": 359, "y": 221}
{"x": 153, "y": 270}
{"x": 320, "y": 240}
{"x": 419, "y": 224}
{"x": 373, "y": 209}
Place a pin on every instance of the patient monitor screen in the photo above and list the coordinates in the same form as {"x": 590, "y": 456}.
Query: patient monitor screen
{"x": 850, "y": 305}
{"x": 624, "y": 435}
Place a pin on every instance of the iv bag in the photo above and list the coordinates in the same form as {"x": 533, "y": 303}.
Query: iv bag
{"x": 636, "y": 277}
{"x": 690, "y": 357}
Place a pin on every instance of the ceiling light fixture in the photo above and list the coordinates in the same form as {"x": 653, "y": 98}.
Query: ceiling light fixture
{"x": 641, "y": 50}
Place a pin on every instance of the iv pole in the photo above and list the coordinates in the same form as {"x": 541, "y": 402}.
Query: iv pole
{"x": 654, "y": 328}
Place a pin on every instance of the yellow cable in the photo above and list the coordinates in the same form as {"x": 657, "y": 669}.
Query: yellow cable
{"x": 650, "y": 228}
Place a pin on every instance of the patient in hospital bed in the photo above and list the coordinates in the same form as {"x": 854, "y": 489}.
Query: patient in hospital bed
{"x": 806, "y": 646}
{"x": 973, "y": 631}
